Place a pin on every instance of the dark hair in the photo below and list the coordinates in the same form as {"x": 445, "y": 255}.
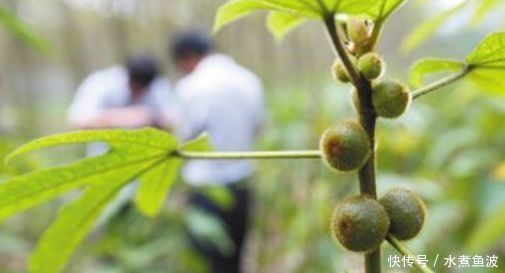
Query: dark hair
{"x": 189, "y": 43}
{"x": 142, "y": 69}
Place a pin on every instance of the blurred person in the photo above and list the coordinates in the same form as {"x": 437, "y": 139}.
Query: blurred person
{"x": 225, "y": 100}
{"x": 127, "y": 96}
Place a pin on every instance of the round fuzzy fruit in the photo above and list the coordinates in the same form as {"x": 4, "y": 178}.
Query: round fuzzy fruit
{"x": 390, "y": 99}
{"x": 406, "y": 212}
{"x": 339, "y": 72}
{"x": 345, "y": 146}
{"x": 360, "y": 224}
{"x": 370, "y": 65}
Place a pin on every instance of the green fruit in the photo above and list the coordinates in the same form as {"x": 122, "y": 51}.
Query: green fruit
{"x": 390, "y": 99}
{"x": 339, "y": 72}
{"x": 360, "y": 224}
{"x": 345, "y": 146}
{"x": 406, "y": 212}
{"x": 370, "y": 65}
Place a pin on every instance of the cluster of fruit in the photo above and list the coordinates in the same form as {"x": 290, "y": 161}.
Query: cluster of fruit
{"x": 361, "y": 223}
{"x": 390, "y": 98}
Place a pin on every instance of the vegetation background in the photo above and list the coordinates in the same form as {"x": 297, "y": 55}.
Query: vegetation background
{"x": 450, "y": 147}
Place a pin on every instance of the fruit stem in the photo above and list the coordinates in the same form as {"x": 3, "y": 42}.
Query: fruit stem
{"x": 441, "y": 83}
{"x": 367, "y": 119}
{"x": 406, "y": 252}
{"x": 311, "y": 154}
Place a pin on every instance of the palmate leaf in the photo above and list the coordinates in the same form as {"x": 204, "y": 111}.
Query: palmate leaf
{"x": 432, "y": 66}
{"x": 281, "y": 23}
{"x": 76, "y": 219}
{"x": 236, "y": 9}
{"x": 148, "y": 138}
{"x": 147, "y": 153}
{"x": 486, "y": 65}
{"x": 383, "y": 9}
{"x": 490, "y": 53}
{"x": 285, "y": 15}
{"x": 488, "y": 62}
{"x": 155, "y": 184}
{"x": 26, "y": 191}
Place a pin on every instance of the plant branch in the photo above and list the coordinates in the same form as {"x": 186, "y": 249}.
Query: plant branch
{"x": 406, "y": 252}
{"x": 331, "y": 27}
{"x": 310, "y": 154}
{"x": 441, "y": 83}
{"x": 367, "y": 119}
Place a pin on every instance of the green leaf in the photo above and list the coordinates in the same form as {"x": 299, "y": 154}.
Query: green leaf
{"x": 431, "y": 66}
{"x": 201, "y": 144}
{"x": 237, "y": 9}
{"x": 77, "y": 218}
{"x": 488, "y": 64}
{"x": 22, "y": 31}
{"x": 148, "y": 138}
{"x": 350, "y": 6}
{"x": 421, "y": 33}
{"x": 26, "y": 191}
{"x": 488, "y": 232}
{"x": 489, "y": 80}
{"x": 155, "y": 185}
{"x": 281, "y": 23}
{"x": 490, "y": 53}
{"x": 383, "y": 9}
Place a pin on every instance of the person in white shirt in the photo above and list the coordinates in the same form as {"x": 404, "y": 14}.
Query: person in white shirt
{"x": 225, "y": 100}
{"x": 126, "y": 96}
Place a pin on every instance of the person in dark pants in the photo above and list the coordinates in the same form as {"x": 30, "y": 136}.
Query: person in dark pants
{"x": 224, "y": 99}
{"x": 235, "y": 219}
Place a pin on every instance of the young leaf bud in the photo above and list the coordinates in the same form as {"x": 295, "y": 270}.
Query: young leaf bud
{"x": 357, "y": 31}
{"x": 406, "y": 212}
{"x": 345, "y": 146}
{"x": 371, "y": 65}
{"x": 390, "y": 98}
{"x": 360, "y": 224}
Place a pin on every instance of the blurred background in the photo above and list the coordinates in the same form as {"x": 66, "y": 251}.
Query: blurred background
{"x": 450, "y": 147}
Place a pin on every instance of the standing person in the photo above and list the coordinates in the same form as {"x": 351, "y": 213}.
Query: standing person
{"x": 126, "y": 96}
{"x": 224, "y": 99}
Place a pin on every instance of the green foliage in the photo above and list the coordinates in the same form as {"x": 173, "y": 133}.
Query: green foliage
{"x": 77, "y": 218}
{"x": 145, "y": 153}
{"x": 485, "y": 64}
{"x": 22, "y": 31}
{"x": 281, "y": 23}
{"x": 432, "y": 66}
{"x": 285, "y": 15}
